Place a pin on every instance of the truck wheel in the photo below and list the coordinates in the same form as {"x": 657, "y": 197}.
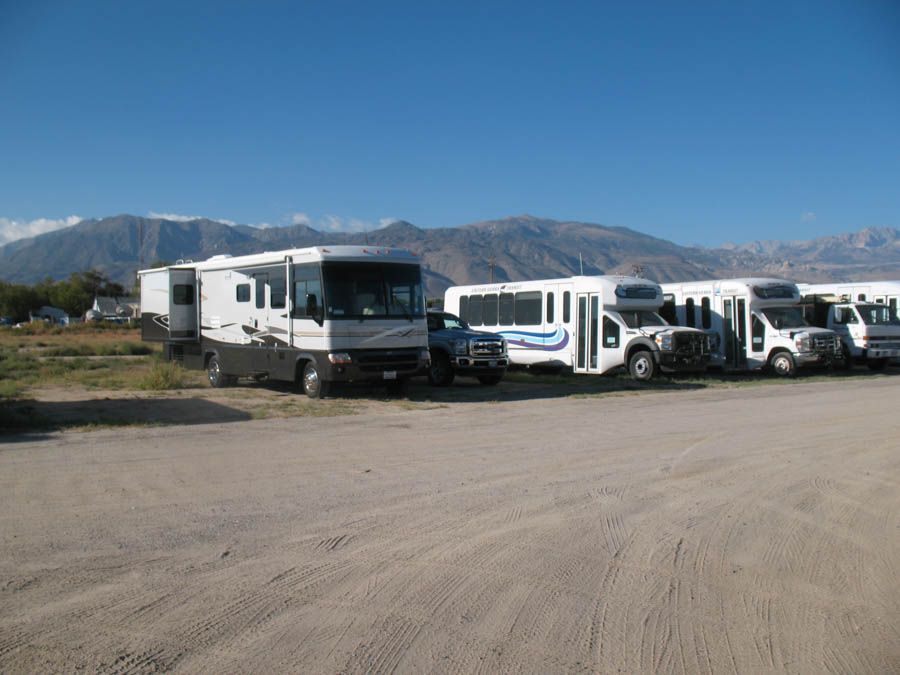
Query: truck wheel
{"x": 313, "y": 385}
{"x": 642, "y": 366}
{"x": 783, "y": 364}
{"x": 440, "y": 373}
{"x": 877, "y": 364}
{"x": 214, "y": 372}
{"x": 489, "y": 380}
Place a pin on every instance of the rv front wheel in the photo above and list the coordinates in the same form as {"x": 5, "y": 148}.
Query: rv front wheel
{"x": 641, "y": 366}
{"x": 783, "y": 364}
{"x": 214, "y": 372}
{"x": 313, "y": 385}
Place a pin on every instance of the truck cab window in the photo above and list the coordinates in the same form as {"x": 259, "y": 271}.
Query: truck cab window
{"x": 757, "y": 333}
{"x": 610, "y": 333}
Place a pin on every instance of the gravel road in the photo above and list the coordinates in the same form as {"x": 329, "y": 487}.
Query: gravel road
{"x": 753, "y": 529}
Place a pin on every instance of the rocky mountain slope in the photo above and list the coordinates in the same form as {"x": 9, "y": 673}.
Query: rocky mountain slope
{"x": 522, "y": 247}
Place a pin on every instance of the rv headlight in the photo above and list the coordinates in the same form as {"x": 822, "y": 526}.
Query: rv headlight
{"x": 459, "y": 346}
{"x": 665, "y": 342}
{"x": 803, "y": 343}
{"x": 340, "y": 358}
{"x": 425, "y": 355}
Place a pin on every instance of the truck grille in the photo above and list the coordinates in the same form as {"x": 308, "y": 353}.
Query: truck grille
{"x": 392, "y": 359}
{"x": 694, "y": 344}
{"x": 487, "y": 346}
{"x": 827, "y": 344}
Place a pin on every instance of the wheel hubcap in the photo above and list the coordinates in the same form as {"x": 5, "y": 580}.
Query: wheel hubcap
{"x": 311, "y": 381}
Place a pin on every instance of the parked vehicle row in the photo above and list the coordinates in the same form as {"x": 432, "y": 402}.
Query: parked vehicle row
{"x": 322, "y": 315}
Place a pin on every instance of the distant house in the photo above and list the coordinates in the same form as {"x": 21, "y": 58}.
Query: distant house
{"x": 121, "y": 308}
{"x": 51, "y": 314}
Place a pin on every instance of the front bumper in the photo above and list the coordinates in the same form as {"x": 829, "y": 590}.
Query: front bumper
{"x": 477, "y": 365}
{"x": 376, "y": 365}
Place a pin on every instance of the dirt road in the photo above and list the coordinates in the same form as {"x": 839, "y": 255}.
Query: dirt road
{"x": 743, "y": 530}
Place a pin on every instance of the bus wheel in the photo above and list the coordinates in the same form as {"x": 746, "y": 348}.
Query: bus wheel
{"x": 783, "y": 364}
{"x": 214, "y": 372}
{"x": 877, "y": 364}
{"x": 313, "y": 385}
{"x": 641, "y": 366}
{"x": 440, "y": 372}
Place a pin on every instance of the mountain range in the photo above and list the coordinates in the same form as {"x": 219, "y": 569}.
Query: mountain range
{"x": 516, "y": 248}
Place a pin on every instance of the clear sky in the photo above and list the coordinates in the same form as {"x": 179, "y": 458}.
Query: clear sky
{"x": 696, "y": 122}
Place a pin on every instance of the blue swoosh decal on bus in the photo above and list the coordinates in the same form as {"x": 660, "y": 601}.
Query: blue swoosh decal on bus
{"x": 550, "y": 342}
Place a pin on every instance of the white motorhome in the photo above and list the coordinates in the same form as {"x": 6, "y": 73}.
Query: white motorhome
{"x": 883, "y": 292}
{"x": 591, "y": 324}
{"x": 313, "y": 315}
{"x": 754, "y": 323}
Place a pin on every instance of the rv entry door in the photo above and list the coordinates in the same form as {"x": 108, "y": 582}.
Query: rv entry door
{"x": 183, "y": 305}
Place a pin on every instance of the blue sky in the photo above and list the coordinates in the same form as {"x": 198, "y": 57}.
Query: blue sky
{"x": 695, "y": 122}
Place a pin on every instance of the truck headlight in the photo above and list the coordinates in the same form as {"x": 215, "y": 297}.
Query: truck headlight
{"x": 459, "y": 347}
{"x": 803, "y": 343}
{"x": 664, "y": 342}
{"x": 340, "y": 358}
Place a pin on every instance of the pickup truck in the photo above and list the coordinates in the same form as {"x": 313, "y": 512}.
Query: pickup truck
{"x": 456, "y": 349}
{"x": 870, "y": 331}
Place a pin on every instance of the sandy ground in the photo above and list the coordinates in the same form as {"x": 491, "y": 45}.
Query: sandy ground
{"x": 742, "y": 530}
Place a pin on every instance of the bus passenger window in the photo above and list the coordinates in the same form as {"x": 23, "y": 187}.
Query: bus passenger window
{"x": 567, "y": 312}
{"x": 489, "y": 310}
{"x": 528, "y": 308}
{"x": 507, "y": 309}
{"x": 667, "y": 311}
{"x": 550, "y": 307}
{"x": 861, "y": 297}
{"x": 464, "y": 307}
{"x": 705, "y": 314}
{"x": 475, "y": 312}
{"x": 689, "y": 312}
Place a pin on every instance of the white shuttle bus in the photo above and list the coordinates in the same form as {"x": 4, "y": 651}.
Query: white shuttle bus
{"x": 883, "y": 292}
{"x": 591, "y": 324}
{"x": 312, "y": 315}
{"x": 754, "y": 323}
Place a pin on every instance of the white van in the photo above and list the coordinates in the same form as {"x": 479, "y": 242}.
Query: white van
{"x": 591, "y": 324}
{"x": 754, "y": 323}
{"x": 313, "y": 315}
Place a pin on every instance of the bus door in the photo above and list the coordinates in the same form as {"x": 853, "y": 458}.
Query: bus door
{"x": 587, "y": 328}
{"x": 734, "y": 330}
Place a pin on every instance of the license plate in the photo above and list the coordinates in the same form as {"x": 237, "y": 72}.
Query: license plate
{"x": 492, "y": 364}
{"x": 390, "y": 374}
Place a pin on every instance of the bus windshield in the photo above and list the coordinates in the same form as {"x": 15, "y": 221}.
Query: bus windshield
{"x": 785, "y": 317}
{"x": 878, "y": 315}
{"x": 372, "y": 290}
{"x": 642, "y": 317}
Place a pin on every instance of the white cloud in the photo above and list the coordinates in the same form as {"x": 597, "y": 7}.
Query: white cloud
{"x": 300, "y": 219}
{"x": 258, "y": 226}
{"x": 384, "y": 222}
{"x": 332, "y": 223}
{"x": 11, "y": 230}
{"x": 808, "y": 217}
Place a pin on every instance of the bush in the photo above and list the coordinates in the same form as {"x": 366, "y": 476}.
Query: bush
{"x": 163, "y": 376}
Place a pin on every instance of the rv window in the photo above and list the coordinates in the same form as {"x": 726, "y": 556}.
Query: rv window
{"x": 372, "y": 289}
{"x": 861, "y": 297}
{"x": 550, "y": 307}
{"x": 705, "y": 314}
{"x": 260, "y": 280}
{"x": 567, "y": 312}
{"x": 689, "y": 312}
{"x": 242, "y": 292}
{"x": 464, "y": 307}
{"x": 489, "y": 310}
{"x": 507, "y": 309}
{"x": 475, "y": 311}
{"x": 183, "y": 294}
{"x": 306, "y": 282}
{"x": 277, "y": 289}
{"x": 892, "y": 303}
{"x": 610, "y": 333}
{"x": 528, "y": 308}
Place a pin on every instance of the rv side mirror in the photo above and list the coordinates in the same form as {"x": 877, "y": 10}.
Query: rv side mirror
{"x": 312, "y": 305}
{"x": 778, "y": 324}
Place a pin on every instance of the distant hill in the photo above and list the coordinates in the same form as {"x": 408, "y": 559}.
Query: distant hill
{"x": 522, "y": 247}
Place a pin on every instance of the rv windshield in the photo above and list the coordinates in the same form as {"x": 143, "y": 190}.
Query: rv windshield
{"x": 372, "y": 290}
{"x": 642, "y": 317}
{"x": 785, "y": 317}
{"x": 878, "y": 315}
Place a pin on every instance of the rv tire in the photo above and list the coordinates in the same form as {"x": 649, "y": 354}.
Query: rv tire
{"x": 313, "y": 385}
{"x": 217, "y": 378}
{"x": 783, "y": 364}
{"x": 641, "y": 365}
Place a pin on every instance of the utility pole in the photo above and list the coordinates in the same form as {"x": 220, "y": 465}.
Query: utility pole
{"x": 491, "y": 261}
